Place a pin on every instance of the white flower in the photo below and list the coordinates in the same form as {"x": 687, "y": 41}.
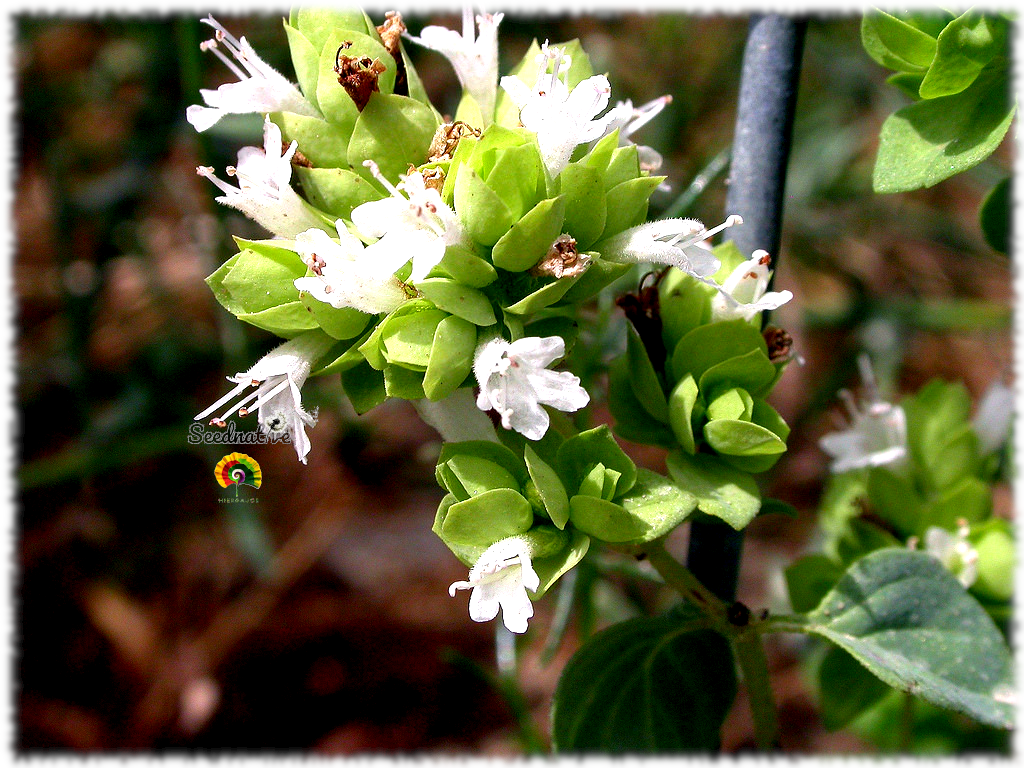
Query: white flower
{"x": 264, "y": 192}
{"x": 994, "y": 417}
{"x": 499, "y": 579}
{"x": 628, "y": 119}
{"x": 348, "y": 275}
{"x": 954, "y": 551}
{"x": 260, "y": 88}
{"x": 674, "y": 242}
{"x": 877, "y": 435}
{"x": 474, "y": 57}
{"x": 515, "y": 382}
{"x": 561, "y": 119}
{"x": 273, "y": 385}
{"x": 417, "y": 223}
{"x": 743, "y": 292}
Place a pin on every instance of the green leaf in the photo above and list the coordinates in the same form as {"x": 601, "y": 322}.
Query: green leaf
{"x": 908, "y": 82}
{"x": 459, "y": 300}
{"x": 323, "y": 144}
{"x": 927, "y": 142}
{"x": 845, "y": 688}
{"x": 742, "y": 438}
{"x": 493, "y": 452}
{"x": 732, "y": 403}
{"x": 632, "y": 421}
{"x": 626, "y": 203}
{"x": 680, "y": 412}
{"x": 284, "y": 320}
{"x": 305, "y": 61}
{"x": 466, "y": 267}
{"x": 403, "y": 383}
{"x": 335, "y": 190}
{"x": 993, "y": 540}
{"x": 481, "y": 211}
{"x": 623, "y": 166}
{"x": 708, "y": 345}
{"x": 395, "y": 131}
{"x": 364, "y": 386}
{"x": 259, "y": 277}
{"x": 645, "y": 685}
{"x": 550, "y": 568}
{"x": 721, "y": 491}
{"x": 895, "y": 500}
{"x": 474, "y": 475}
{"x": 544, "y": 296}
{"x": 910, "y": 622}
{"x": 861, "y": 537}
{"x": 995, "y": 216}
{"x": 486, "y": 518}
{"x": 965, "y": 46}
{"x": 809, "y": 579}
{"x": 585, "y": 207}
{"x": 895, "y": 44}
{"x": 530, "y": 238}
{"x": 646, "y": 384}
{"x": 578, "y": 455}
{"x": 451, "y": 357}
{"x": 752, "y": 371}
{"x": 549, "y": 487}
{"x": 657, "y": 501}
{"x": 407, "y": 339}
{"x": 969, "y": 499}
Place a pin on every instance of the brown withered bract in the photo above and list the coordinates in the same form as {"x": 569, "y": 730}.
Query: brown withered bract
{"x": 779, "y": 342}
{"x": 433, "y": 178}
{"x": 300, "y": 159}
{"x": 446, "y": 139}
{"x": 562, "y": 260}
{"x": 358, "y": 75}
{"x": 391, "y": 36}
{"x": 643, "y": 310}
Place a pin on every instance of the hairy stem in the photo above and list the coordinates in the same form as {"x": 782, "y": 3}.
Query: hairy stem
{"x": 754, "y": 665}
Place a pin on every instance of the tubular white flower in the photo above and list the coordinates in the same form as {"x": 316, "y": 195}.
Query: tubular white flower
{"x": 473, "y": 56}
{"x": 678, "y": 243}
{"x": 417, "y": 222}
{"x": 994, "y": 417}
{"x": 877, "y": 435}
{"x": 260, "y": 88}
{"x": 743, "y": 292}
{"x": 515, "y": 382}
{"x": 272, "y": 386}
{"x": 561, "y": 119}
{"x": 954, "y": 551}
{"x": 348, "y": 275}
{"x": 628, "y": 119}
{"x": 500, "y": 579}
{"x": 264, "y": 192}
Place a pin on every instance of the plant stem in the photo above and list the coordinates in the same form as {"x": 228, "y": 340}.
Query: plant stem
{"x": 680, "y": 578}
{"x": 754, "y": 665}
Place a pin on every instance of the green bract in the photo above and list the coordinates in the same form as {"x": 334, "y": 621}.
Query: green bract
{"x": 708, "y": 395}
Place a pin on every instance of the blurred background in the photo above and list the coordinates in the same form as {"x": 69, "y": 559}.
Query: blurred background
{"x": 149, "y": 616}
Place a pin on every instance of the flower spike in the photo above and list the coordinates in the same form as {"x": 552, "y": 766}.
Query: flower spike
{"x": 673, "y": 242}
{"x": 260, "y": 88}
{"x": 264, "y": 192}
{"x": 562, "y": 119}
{"x": 473, "y": 56}
{"x": 515, "y": 382}
{"x": 877, "y": 435}
{"x": 743, "y": 294}
{"x": 272, "y": 386}
{"x": 500, "y": 579}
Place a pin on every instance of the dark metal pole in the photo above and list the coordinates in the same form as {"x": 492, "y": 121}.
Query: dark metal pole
{"x": 757, "y": 180}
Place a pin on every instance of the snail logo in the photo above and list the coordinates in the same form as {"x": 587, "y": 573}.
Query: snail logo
{"x": 237, "y": 469}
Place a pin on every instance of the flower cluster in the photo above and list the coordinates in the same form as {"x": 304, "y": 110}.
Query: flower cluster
{"x": 444, "y": 263}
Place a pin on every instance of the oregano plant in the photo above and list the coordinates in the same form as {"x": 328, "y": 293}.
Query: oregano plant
{"x": 448, "y": 261}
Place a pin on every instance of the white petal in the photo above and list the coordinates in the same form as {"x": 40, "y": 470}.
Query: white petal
{"x": 483, "y": 603}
